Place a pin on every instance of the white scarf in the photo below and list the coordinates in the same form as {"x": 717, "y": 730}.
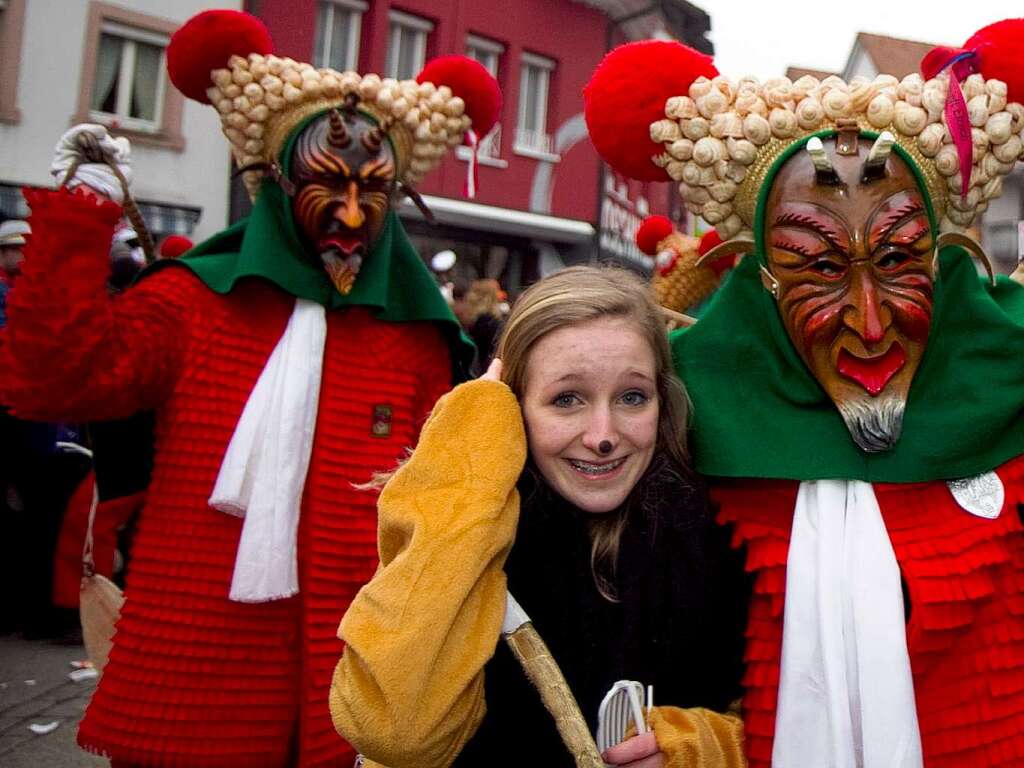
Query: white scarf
{"x": 846, "y": 694}
{"x": 263, "y": 473}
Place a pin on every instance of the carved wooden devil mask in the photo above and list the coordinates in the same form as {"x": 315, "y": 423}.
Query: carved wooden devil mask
{"x": 848, "y": 246}
{"x": 343, "y": 170}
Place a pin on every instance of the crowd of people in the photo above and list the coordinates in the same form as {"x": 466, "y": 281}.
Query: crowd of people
{"x": 370, "y": 519}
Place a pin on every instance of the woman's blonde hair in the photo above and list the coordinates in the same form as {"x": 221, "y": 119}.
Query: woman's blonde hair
{"x": 577, "y": 295}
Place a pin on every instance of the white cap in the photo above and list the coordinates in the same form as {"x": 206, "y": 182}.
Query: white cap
{"x": 124, "y": 234}
{"x": 443, "y": 261}
{"x": 13, "y": 232}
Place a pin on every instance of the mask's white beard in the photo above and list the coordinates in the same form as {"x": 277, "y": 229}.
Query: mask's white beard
{"x": 875, "y": 425}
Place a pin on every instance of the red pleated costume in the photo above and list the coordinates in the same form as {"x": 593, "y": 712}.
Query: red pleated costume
{"x": 965, "y": 578}
{"x": 195, "y": 680}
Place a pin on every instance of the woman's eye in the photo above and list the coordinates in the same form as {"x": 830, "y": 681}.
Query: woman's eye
{"x": 634, "y": 397}
{"x": 565, "y": 400}
{"x": 892, "y": 259}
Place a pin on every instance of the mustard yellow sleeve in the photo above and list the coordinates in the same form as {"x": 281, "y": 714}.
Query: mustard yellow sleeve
{"x": 408, "y": 691}
{"x": 698, "y": 737}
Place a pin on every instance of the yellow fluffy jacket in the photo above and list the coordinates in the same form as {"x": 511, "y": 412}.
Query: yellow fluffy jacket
{"x": 409, "y": 689}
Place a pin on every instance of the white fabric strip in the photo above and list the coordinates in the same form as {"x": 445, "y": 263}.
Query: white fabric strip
{"x": 263, "y": 473}
{"x": 846, "y": 694}
{"x": 515, "y": 616}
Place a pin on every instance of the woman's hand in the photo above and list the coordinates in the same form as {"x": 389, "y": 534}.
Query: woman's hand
{"x": 493, "y": 372}
{"x": 638, "y": 752}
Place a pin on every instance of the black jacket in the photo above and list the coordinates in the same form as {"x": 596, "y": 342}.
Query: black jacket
{"x": 678, "y": 623}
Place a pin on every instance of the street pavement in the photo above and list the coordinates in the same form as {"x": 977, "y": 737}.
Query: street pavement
{"x": 35, "y": 689}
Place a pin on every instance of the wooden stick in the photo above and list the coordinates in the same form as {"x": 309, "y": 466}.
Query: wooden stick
{"x": 92, "y": 153}
{"x": 542, "y": 670}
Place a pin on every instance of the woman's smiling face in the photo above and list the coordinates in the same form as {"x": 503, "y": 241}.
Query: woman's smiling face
{"x": 591, "y": 410}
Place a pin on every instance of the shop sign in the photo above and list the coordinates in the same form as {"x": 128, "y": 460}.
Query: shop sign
{"x": 620, "y": 218}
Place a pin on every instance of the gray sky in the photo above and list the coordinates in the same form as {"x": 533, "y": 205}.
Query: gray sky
{"x": 763, "y": 37}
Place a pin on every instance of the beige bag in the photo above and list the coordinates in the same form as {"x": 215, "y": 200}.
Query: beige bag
{"x": 100, "y": 601}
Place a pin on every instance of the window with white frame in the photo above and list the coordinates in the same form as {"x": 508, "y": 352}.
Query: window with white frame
{"x": 531, "y": 123}
{"x": 488, "y": 53}
{"x": 338, "y": 25}
{"x": 128, "y": 85}
{"x": 407, "y": 45}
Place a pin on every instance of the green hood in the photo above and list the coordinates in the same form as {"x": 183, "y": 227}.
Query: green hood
{"x": 759, "y": 412}
{"x": 393, "y": 281}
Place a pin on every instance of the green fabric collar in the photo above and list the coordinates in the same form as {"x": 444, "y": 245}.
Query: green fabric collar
{"x": 758, "y": 411}
{"x": 393, "y": 282}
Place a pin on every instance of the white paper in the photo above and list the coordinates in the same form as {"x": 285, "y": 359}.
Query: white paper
{"x": 83, "y": 674}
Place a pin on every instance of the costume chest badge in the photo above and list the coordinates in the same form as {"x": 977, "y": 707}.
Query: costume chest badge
{"x": 981, "y": 495}
{"x": 380, "y": 426}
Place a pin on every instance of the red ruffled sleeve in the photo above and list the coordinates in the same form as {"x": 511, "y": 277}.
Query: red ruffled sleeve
{"x": 72, "y": 352}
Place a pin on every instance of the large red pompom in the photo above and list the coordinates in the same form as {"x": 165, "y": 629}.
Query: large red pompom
{"x": 206, "y": 42}
{"x": 652, "y": 231}
{"x": 628, "y": 92}
{"x": 470, "y": 81}
{"x": 999, "y": 49}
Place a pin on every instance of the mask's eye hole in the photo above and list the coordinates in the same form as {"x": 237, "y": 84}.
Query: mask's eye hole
{"x": 827, "y": 268}
{"x": 892, "y": 259}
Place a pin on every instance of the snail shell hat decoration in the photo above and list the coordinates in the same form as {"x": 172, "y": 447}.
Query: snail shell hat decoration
{"x": 659, "y": 111}
{"x": 223, "y": 58}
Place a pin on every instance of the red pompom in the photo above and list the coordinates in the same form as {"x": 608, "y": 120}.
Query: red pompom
{"x": 999, "y": 49}
{"x": 470, "y": 81}
{"x": 628, "y": 92}
{"x": 936, "y": 59}
{"x": 206, "y": 42}
{"x": 652, "y": 231}
{"x": 711, "y": 239}
{"x": 173, "y": 246}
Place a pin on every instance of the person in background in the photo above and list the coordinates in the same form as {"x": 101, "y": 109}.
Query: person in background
{"x": 477, "y": 308}
{"x": 573, "y": 446}
{"x": 37, "y": 476}
{"x": 122, "y": 449}
{"x": 13, "y": 237}
{"x": 441, "y": 264}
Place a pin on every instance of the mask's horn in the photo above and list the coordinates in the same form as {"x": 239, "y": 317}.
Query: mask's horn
{"x": 823, "y": 171}
{"x": 874, "y": 166}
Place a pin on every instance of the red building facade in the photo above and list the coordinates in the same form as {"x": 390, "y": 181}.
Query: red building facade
{"x": 541, "y": 189}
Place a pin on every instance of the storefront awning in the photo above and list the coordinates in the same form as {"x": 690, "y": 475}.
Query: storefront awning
{"x": 161, "y": 219}
{"x": 489, "y": 218}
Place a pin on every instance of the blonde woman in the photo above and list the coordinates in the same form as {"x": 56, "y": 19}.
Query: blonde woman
{"x": 573, "y": 447}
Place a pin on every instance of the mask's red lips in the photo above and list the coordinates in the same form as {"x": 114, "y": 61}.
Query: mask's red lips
{"x": 345, "y": 244}
{"x": 872, "y": 373}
